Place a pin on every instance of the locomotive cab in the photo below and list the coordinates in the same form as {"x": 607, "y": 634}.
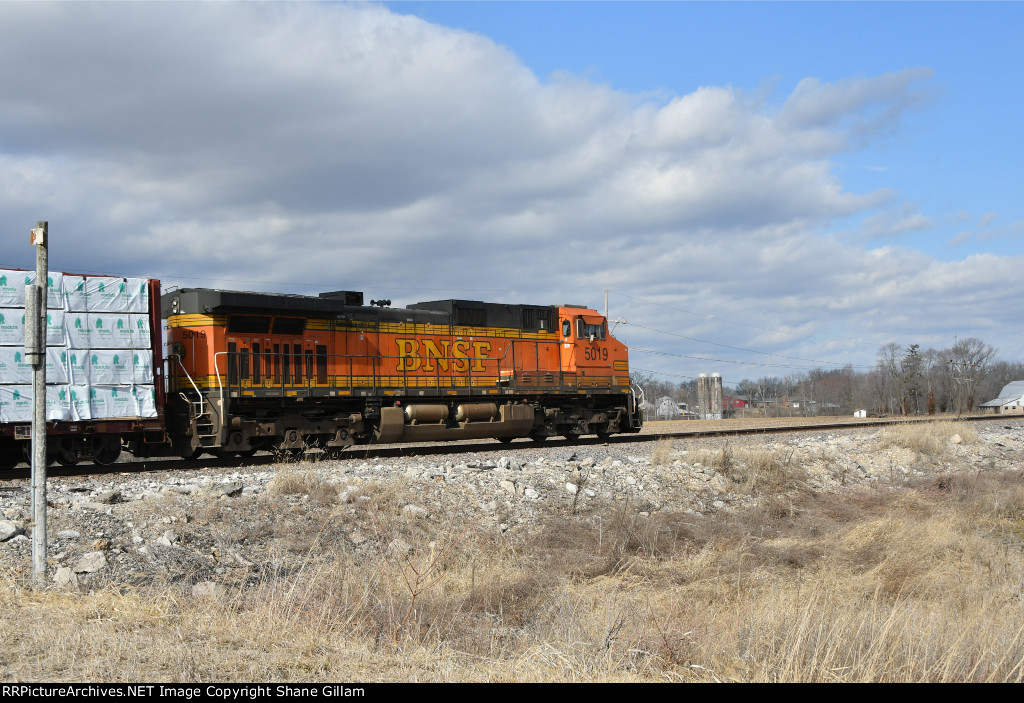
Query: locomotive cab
{"x": 588, "y": 352}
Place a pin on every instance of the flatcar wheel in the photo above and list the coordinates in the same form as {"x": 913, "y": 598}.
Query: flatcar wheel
{"x": 222, "y": 453}
{"x": 247, "y": 453}
{"x": 603, "y": 435}
{"x": 106, "y": 450}
{"x": 10, "y": 454}
{"x": 505, "y": 440}
{"x": 64, "y": 460}
{"x": 538, "y": 438}
{"x": 571, "y": 436}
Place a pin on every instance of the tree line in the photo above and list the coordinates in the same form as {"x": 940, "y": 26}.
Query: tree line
{"x": 905, "y": 380}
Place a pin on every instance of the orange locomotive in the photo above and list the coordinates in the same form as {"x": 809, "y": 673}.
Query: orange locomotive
{"x": 251, "y": 371}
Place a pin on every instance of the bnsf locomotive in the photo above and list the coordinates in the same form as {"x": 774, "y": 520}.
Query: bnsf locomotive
{"x": 257, "y": 371}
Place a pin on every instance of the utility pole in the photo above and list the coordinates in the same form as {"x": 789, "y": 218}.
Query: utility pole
{"x": 35, "y": 351}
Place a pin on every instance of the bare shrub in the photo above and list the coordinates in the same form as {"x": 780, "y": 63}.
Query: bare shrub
{"x": 663, "y": 454}
{"x": 302, "y": 479}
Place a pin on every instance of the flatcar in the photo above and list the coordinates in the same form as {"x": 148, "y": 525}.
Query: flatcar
{"x": 104, "y": 368}
{"x": 255, "y": 371}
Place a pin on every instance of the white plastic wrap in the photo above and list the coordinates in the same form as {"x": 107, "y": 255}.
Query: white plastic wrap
{"x": 76, "y": 298}
{"x": 145, "y": 400}
{"x": 110, "y": 367}
{"x": 110, "y": 331}
{"x": 16, "y": 403}
{"x": 141, "y": 333}
{"x": 80, "y": 407}
{"x": 106, "y": 294}
{"x": 57, "y": 365}
{"x": 107, "y": 402}
{"x": 99, "y": 361}
{"x": 142, "y": 366}
{"x": 12, "y": 287}
{"x": 76, "y": 330}
{"x": 78, "y": 367}
{"x": 12, "y": 327}
{"x": 14, "y": 368}
{"x": 58, "y": 402}
{"x": 54, "y": 287}
{"x": 55, "y": 290}
{"x": 55, "y": 328}
{"x": 137, "y": 294}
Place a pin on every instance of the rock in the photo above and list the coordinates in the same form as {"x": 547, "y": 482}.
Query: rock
{"x": 415, "y": 511}
{"x": 956, "y": 439}
{"x": 168, "y": 538}
{"x": 65, "y": 577}
{"x": 571, "y": 488}
{"x": 531, "y": 494}
{"x": 229, "y": 490}
{"x": 68, "y": 534}
{"x": 208, "y": 590}
{"x": 508, "y": 486}
{"x": 90, "y": 563}
{"x": 9, "y": 529}
{"x": 400, "y": 547}
{"x": 109, "y": 497}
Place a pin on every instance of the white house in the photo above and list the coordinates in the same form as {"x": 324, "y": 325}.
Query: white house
{"x": 1010, "y": 400}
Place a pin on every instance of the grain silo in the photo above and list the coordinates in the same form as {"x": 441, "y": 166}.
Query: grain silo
{"x": 703, "y": 396}
{"x": 715, "y": 397}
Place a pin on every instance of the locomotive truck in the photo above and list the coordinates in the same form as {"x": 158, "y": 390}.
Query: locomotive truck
{"x": 245, "y": 372}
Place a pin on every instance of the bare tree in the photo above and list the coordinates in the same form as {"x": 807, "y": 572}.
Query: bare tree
{"x": 969, "y": 361}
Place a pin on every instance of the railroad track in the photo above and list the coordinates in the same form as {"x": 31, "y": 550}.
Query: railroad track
{"x": 650, "y": 434}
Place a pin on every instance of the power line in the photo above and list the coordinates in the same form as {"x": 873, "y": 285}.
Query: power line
{"x": 640, "y": 350}
{"x": 741, "y": 349}
{"x": 704, "y": 315}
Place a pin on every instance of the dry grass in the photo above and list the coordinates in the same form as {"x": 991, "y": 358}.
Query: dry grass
{"x": 918, "y": 583}
{"x": 664, "y": 453}
{"x": 753, "y": 466}
{"x": 930, "y": 439}
{"x": 303, "y": 479}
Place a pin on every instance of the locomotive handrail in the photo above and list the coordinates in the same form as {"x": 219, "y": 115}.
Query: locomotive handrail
{"x": 507, "y": 376}
{"x": 189, "y": 377}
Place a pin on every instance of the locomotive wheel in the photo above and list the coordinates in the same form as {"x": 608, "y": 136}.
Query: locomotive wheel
{"x": 538, "y": 438}
{"x": 604, "y": 435}
{"x": 505, "y": 440}
{"x": 247, "y": 453}
{"x": 572, "y": 436}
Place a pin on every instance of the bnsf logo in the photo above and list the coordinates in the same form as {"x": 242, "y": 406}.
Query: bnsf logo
{"x": 422, "y": 354}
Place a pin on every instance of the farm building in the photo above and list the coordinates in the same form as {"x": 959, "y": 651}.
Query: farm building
{"x": 1010, "y": 400}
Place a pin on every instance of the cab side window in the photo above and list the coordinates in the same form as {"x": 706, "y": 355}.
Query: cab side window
{"x": 585, "y": 330}
{"x": 566, "y": 328}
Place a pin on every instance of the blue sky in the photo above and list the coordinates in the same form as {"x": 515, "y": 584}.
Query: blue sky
{"x": 763, "y": 187}
{"x": 959, "y": 159}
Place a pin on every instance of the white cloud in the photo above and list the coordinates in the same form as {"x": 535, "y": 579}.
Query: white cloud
{"x": 312, "y": 146}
